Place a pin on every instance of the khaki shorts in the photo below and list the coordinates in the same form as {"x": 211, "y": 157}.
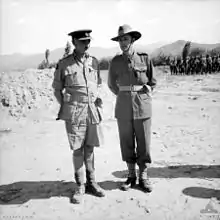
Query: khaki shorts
{"x": 82, "y": 135}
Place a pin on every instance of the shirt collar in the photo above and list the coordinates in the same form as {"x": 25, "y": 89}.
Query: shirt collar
{"x": 86, "y": 55}
{"x": 129, "y": 55}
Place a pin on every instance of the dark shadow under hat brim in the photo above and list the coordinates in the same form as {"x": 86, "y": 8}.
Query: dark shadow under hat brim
{"x": 135, "y": 34}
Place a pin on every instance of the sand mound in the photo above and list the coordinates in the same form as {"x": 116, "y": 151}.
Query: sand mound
{"x": 22, "y": 93}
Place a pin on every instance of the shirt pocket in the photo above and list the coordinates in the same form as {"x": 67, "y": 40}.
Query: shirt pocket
{"x": 141, "y": 74}
{"x": 71, "y": 76}
{"x": 67, "y": 111}
{"x": 92, "y": 74}
{"x": 71, "y": 79}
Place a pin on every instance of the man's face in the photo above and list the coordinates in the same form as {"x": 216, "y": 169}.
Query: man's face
{"x": 125, "y": 42}
{"x": 81, "y": 46}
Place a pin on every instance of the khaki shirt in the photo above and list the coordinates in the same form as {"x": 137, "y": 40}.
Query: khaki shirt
{"x": 79, "y": 83}
{"x": 134, "y": 70}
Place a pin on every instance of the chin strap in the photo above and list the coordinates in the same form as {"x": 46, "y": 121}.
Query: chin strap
{"x": 132, "y": 41}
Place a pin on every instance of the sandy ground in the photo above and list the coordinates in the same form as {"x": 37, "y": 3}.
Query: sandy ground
{"x": 36, "y": 170}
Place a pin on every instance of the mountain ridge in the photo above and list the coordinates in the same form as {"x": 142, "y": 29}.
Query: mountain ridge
{"x": 17, "y": 61}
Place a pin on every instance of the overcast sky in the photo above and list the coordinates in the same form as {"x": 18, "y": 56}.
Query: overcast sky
{"x": 31, "y": 26}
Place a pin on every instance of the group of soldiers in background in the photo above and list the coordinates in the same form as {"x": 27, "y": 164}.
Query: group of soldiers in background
{"x": 203, "y": 64}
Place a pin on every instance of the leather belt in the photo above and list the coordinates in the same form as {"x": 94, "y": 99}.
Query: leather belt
{"x": 131, "y": 88}
{"x": 77, "y": 98}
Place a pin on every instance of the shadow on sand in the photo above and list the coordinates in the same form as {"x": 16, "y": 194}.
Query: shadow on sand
{"x": 202, "y": 192}
{"x": 180, "y": 171}
{"x": 22, "y": 192}
{"x": 185, "y": 171}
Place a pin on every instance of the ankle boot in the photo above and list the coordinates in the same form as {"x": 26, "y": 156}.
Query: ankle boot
{"x": 144, "y": 182}
{"x": 131, "y": 180}
{"x": 77, "y": 196}
{"x": 91, "y": 186}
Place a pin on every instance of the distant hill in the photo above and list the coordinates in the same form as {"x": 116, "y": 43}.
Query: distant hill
{"x": 22, "y": 62}
{"x": 218, "y": 49}
{"x": 175, "y": 48}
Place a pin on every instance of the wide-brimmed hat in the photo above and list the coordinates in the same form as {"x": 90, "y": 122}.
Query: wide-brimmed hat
{"x": 126, "y": 29}
{"x": 81, "y": 34}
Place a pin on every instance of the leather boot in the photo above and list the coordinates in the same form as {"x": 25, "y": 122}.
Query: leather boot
{"x": 144, "y": 182}
{"x": 80, "y": 189}
{"x": 131, "y": 180}
{"x": 91, "y": 186}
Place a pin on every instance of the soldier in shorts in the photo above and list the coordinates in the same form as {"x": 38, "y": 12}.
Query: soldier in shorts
{"x": 76, "y": 82}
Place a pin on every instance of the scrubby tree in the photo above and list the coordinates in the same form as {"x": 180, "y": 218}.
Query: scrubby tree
{"x": 53, "y": 65}
{"x": 186, "y": 50}
{"x": 67, "y": 49}
{"x": 45, "y": 63}
{"x": 104, "y": 63}
{"x": 42, "y": 65}
{"x": 161, "y": 59}
{"x": 47, "y": 54}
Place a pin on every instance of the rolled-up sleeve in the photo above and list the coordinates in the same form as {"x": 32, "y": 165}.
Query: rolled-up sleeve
{"x": 58, "y": 82}
{"x": 112, "y": 77}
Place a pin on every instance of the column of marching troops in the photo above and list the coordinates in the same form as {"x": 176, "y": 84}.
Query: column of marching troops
{"x": 203, "y": 64}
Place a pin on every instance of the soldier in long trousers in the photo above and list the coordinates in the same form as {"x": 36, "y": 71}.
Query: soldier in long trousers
{"x": 218, "y": 63}
{"x": 187, "y": 66}
{"x": 171, "y": 66}
{"x": 76, "y": 82}
{"x": 192, "y": 65}
{"x": 131, "y": 80}
{"x": 175, "y": 69}
{"x": 181, "y": 67}
{"x": 215, "y": 64}
{"x": 203, "y": 64}
{"x": 209, "y": 63}
{"x": 197, "y": 64}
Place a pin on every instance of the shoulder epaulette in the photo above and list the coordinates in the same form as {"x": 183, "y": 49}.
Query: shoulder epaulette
{"x": 94, "y": 58}
{"x": 142, "y": 53}
{"x": 64, "y": 58}
{"x": 144, "y": 56}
